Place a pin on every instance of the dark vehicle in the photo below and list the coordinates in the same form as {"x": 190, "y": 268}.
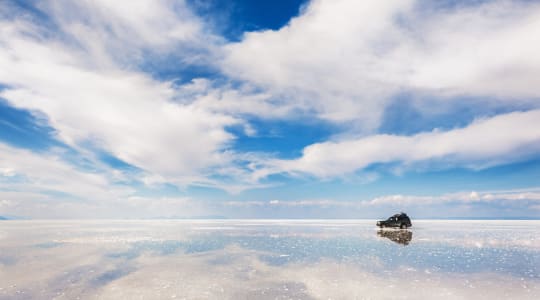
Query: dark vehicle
{"x": 402, "y": 237}
{"x": 400, "y": 220}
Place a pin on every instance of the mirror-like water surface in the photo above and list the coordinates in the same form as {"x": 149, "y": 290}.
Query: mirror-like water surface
{"x": 253, "y": 259}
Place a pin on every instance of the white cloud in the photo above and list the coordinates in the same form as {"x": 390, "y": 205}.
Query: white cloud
{"x": 292, "y": 203}
{"x": 124, "y": 112}
{"x": 485, "y": 142}
{"x": 44, "y": 185}
{"x": 7, "y": 172}
{"x": 345, "y": 59}
{"x": 47, "y": 172}
{"x": 485, "y": 50}
{"x": 125, "y": 31}
{"x": 244, "y": 100}
{"x": 498, "y": 203}
{"x": 507, "y": 197}
{"x": 522, "y": 197}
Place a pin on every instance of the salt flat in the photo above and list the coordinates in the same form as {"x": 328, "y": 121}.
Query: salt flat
{"x": 268, "y": 259}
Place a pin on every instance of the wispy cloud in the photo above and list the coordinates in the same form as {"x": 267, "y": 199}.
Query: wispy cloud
{"x": 485, "y": 142}
{"x": 525, "y": 197}
{"x": 530, "y": 197}
{"x": 124, "y": 112}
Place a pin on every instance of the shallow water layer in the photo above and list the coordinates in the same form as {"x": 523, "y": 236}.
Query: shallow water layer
{"x": 278, "y": 259}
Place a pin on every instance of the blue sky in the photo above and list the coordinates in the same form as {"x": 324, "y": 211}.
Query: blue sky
{"x": 269, "y": 109}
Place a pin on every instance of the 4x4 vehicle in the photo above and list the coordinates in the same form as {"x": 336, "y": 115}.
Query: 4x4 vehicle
{"x": 400, "y": 220}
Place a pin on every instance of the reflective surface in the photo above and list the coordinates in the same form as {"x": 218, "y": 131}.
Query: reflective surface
{"x": 268, "y": 260}
{"x": 403, "y": 237}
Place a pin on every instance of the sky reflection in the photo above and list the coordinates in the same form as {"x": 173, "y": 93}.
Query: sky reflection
{"x": 268, "y": 259}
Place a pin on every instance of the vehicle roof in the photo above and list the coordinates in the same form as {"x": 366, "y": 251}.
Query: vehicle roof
{"x": 400, "y": 214}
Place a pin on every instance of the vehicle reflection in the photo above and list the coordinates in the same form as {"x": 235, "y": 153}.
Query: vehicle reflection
{"x": 399, "y": 236}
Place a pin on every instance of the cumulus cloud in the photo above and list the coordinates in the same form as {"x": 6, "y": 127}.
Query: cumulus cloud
{"x": 346, "y": 59}
{"x": 504, "y": 138}
{"x": 124, "y": 112}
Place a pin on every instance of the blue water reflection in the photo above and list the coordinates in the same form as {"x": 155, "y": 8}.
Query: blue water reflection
{"x": 98, "y": 255}
{"x": 297, "y": 248}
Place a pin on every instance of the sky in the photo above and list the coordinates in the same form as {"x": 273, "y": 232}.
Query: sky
{"x": 269, "y": 109}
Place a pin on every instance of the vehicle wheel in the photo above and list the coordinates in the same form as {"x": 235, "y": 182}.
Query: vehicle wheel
{"x": 403, "y": 226}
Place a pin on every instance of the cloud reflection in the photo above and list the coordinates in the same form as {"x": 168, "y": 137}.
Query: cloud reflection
{"x": 265, "y": 260}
